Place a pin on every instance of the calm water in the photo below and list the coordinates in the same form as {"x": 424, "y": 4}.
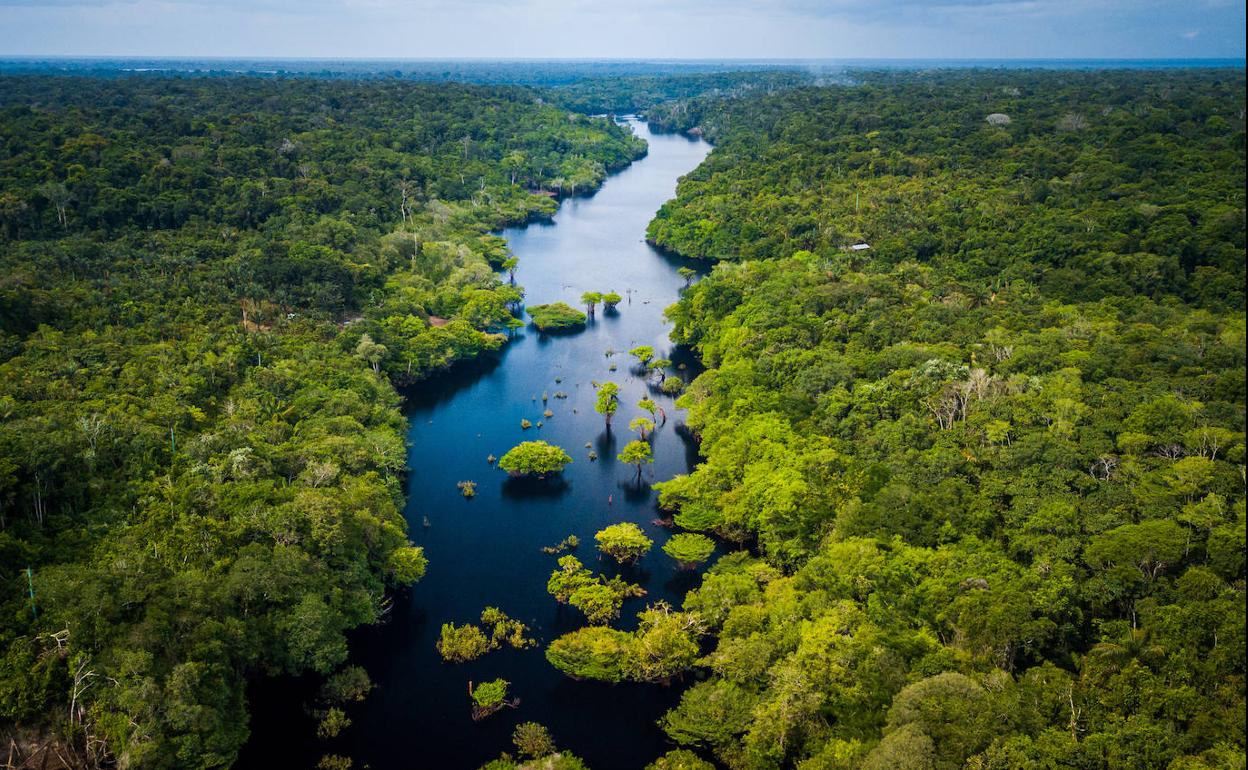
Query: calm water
{"x": 486, "y": 551}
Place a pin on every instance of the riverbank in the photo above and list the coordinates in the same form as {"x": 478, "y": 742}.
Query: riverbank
{"x": 487, "y": 551}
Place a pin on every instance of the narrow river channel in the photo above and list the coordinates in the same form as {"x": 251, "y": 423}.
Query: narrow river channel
{"x": 487, "y": 551}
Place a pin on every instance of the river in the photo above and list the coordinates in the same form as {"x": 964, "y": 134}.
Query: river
{"x": 487, "y": 551}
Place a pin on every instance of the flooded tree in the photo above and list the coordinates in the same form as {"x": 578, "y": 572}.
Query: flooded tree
{"x": 534, "y": 458}
{"x": 460, "y": 644}
{"x": 664, "y": 646}
{"x": 533, "y": 740}
{"x": 556, "y": 316}
{"x": 649, "y": 405}
{"x": 642, "y": 425}
{"x": 657, "y": 366}
{"x": 643, "y": 353}
{"x": 490, "y": 697}
{"x": 624, "y": 542}
{"x": 608, "y": 401}
{"x": 591, "y": 300}
{"x": 600, "y": 599}
{"x": 636, "y": 453}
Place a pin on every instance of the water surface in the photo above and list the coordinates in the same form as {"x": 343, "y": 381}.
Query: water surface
{"x": 487, "y": 551}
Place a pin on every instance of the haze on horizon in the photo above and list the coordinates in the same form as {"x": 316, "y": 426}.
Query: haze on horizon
{"x": 708, "y": 29}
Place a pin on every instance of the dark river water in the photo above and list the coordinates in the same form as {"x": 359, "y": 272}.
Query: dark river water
{"x": 487, "y": 551}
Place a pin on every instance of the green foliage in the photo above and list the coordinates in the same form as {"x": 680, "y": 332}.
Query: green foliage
{"x": 663, "y": 646}
{"x": 680, "y": 759}
{"x": 555, "y": 316}
{"x": 569, "y": 543}
{"x": 689, "y": 549}
{"x": 591, "y": 299}
{"x": 558, "y": 761}
{"x": 643, "y": 426}
{"x": 643, "y": 353}
{"x": 624, "y": 542}
{"x": 198, "y": 459}
{"x": 993, "y": 463}
{"x": 490, "y": 695}
{"x": 505, "y": 630}
{"x": 638, "y": 453}
{"x": 673, "y": 385}
{"x": 710, "y": 714}
{"x": 532, "y": 740}
{"x": 611, "y": 299}
{"x": 460, "y": 644}
{"x": 534, "y": 458}
{"x": 332, "y": 722}
{"x": 600, "y": 599}
{"x": 407, "y": 564}
{"x": 607, "y": 401}
{"x": 334, "y": 762}
{"x": 350, "y": 685}
{"x": 570, "y": 576}
{"x": 596, "y": 652}
{"x": 670, "y": 96}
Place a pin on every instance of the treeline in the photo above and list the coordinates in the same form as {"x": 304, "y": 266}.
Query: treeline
{"x": 204, "y": 282}
{"x": 670, "y": 101}
{"x": 992, "y": 466}
{"x": 1083, "y": 185}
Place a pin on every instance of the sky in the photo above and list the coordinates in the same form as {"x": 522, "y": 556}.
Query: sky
{"x": 698, "y": 29}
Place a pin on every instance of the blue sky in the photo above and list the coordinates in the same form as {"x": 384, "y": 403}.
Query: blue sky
{"x": 626, "y": 28}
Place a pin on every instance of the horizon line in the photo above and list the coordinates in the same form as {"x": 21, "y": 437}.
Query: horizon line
{"x": 698, "y": 60}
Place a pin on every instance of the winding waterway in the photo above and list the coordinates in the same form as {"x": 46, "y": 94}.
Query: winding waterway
{"x": 487, "y": 551}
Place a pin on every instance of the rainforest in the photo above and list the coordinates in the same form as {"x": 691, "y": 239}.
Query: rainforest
{"x": 606, "y": 415}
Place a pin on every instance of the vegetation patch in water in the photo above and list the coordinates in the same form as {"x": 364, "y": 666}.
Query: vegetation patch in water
{"x": 600, "y": 599}
{"x": 490, "y": 697}
{"x": 624, "y": 542}
{"x": 460, "y": 644}
{"x": 556, "y": 316}
{"x": 569, "y": 543}
{"x": 664, "y": 645}
{"x": 534, "y": 458}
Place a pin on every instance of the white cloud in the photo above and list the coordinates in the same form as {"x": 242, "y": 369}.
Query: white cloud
{"x": 623, "y": 28}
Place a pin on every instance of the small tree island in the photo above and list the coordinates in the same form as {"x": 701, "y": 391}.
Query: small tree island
{"x": 489, "y": 697}
{"x": 534, "y": 458}
{"x": 624, "y": 542}
{"x": 556, "y": 316}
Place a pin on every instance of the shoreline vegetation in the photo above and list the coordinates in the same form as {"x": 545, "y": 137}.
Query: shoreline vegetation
{"x": 212, "y": 286}
{"x": 977, "y": 460}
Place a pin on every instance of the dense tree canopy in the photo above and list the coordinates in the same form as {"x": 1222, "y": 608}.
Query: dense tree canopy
{"x": 208, "y": 286}
{"x": 972, "y": 418}
{"x": 994, "y": 462}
